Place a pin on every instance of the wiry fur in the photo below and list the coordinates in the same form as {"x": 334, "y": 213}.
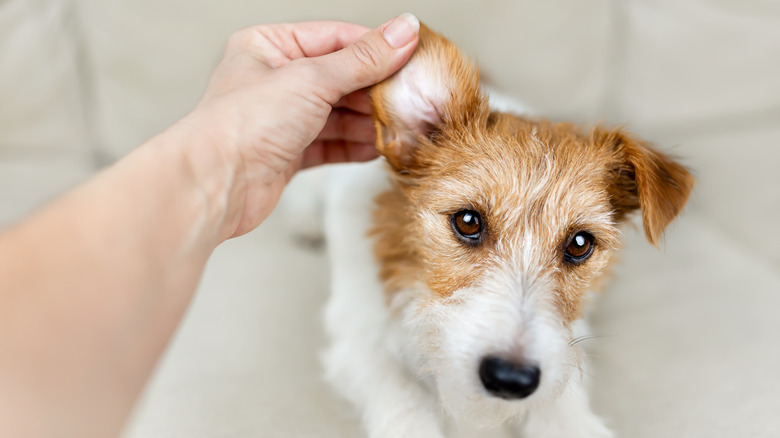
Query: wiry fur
{"x": 414, "y": 310}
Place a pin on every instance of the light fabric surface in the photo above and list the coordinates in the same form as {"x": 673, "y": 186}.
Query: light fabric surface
{"x": 691, "y": 332}
{"x": 41, "y": 87}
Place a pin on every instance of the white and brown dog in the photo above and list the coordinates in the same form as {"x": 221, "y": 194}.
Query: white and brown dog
{"x": 461, "y": 260}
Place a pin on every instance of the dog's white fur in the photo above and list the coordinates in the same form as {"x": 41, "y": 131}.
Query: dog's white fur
{"x": 409, "y": 368}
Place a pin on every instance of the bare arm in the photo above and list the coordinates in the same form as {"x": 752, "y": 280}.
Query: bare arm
{"x": 93, "y": 285}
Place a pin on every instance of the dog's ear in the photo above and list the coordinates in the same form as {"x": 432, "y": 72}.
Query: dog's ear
{"x": 437, "y": 89}
{"x": 642, "y": 177}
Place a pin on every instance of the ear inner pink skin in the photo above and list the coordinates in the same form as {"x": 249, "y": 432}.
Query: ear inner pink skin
{"x": 418, "y": 98}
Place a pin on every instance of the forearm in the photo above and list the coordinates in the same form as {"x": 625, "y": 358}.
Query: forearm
{"x": 95, "y": 284}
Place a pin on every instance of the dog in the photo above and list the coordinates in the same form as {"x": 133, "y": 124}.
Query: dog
{"x": 463, "y": 258}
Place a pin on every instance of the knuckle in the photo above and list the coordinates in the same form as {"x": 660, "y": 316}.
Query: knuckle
{"x": 240, "y": 39}
{"x": 367, "y": 54}
{"x": 252, "y": 37}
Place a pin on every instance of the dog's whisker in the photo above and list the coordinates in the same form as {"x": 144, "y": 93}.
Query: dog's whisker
{"x": 579, "y": 339}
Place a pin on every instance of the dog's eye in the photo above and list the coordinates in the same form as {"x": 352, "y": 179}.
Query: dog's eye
{"x": 579, "y": 247}
{"x": 468, "y": 224}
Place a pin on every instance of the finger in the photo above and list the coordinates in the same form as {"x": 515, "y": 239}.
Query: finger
{"x": 337, "y": 151}
{"x": 370, "y": 59}
{"x": 358, "y": 101}
{"x": 319, "y": 38}
{"x": 280, "y": 43}
{"x": 349, "y": 126}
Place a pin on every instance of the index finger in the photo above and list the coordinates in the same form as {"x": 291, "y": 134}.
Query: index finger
{"x": 311, "y": 38}
{"x": 278, "y": 44}
{"x": 317, "y": 38}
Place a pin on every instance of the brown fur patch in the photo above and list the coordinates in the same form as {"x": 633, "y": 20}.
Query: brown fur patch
{"x": 648, "y": 179}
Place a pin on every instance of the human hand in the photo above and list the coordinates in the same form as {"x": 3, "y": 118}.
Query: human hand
{"x": 290, "y": 96}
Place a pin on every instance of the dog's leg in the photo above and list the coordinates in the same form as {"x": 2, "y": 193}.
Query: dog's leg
{"x": 359, "y": 363}
{"x": 568, "y": 417}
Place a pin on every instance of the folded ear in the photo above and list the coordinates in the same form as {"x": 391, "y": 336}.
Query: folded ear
{"x": 436, "y": 90}
{"x": 645, "y": 178}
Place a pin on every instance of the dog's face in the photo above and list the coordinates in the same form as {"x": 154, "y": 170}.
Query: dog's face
{"x": 496, "y": 227}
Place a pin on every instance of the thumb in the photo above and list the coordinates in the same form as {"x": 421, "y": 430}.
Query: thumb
{"x": 372, "y": 58}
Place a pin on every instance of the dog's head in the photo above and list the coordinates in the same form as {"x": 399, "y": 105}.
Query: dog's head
{"x": 496, "y": 226}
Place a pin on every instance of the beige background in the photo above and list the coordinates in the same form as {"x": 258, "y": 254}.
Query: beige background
{"x": 693, "y": 347}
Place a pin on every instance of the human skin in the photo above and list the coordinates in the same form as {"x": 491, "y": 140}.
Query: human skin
{"x": 93, "y": 285}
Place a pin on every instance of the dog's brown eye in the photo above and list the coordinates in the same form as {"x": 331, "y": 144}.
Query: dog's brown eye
{"x": 579, "y": 248}
{"x": 468, "y": 224}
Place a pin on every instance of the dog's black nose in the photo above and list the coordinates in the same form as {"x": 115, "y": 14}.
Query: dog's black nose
{"x": 508, "y": 380}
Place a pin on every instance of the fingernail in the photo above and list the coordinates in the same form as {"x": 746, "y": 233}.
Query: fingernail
{"x": 402, "y": 30}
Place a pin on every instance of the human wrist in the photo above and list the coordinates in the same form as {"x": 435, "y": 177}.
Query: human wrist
{"x": 212, "y": 173}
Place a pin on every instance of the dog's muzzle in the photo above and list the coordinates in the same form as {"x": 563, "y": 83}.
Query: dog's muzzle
{"x": 508, "y": 380}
